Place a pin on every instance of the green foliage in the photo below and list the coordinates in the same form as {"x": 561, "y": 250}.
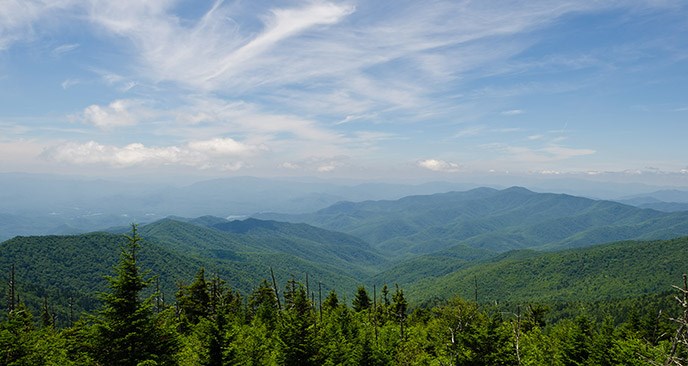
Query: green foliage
{"x": 126, "y": 330}
{"x": 227, "y": 330}
{"x": 602, "y": 305}
{"x": 605, "y": 272}
{"x": 296, "y": 331}
{"x": 362, "y": 301}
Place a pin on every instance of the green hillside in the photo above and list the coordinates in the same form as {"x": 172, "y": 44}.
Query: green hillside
{"x": 441, "y": 244}
{"x": 61, "y": 268}
{"x": 611, "y": 271}
{"x": 64, "y": 267}
{"x": 306, "y": 241}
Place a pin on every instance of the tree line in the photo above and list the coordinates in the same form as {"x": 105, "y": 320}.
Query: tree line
{"x": 209, "y": 323}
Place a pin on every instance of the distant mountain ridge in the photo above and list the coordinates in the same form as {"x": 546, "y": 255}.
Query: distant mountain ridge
{"x": 34, "y": 204}
{"x": 670, "y": 200}
{"x": 496, "y": 220}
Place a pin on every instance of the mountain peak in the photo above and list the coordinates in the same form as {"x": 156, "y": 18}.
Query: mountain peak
{"x": 518, "y": 189}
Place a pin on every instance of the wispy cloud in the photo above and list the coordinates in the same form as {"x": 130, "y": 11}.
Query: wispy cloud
{"x": 303, "y": 82}
{"x": 316, "y": 164}
{"x": 68, "y": 83}
{"x": 63, "y": 49}
{"x": 512, "y": 112}
{"x": 545, "y": 154}
{"x": 17, "y": 18}
{"x": 354, "y": 63}
{"x": 469, "y": 131}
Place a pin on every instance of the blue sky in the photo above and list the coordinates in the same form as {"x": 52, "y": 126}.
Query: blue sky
{"x": 346, "y": 89}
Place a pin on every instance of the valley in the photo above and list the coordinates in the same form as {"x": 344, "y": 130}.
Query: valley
{"x": 511, "y": 244}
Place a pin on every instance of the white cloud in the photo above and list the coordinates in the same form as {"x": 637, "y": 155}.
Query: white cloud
{"x": 18, "y": 17}
{"x": 289, "y": 165}
{"x": 214, "y": 52}
{"x": 439, "y": 165}
{"x": 352, "y": 63}
{"x": 121, "y": 112}
{"x": 208, "y": 154}
{"x": 326, "y": 168}
{"x": 316, "y": 164}
{"x": 94, "y": 153}
{"x": 282, "y": 24}
{"x": 223, "y": 146}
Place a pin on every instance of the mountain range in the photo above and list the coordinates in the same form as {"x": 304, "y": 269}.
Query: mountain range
{"x": 509, "y": 244}
{"x": 490, "y": 219}
{"x": 39, "y": 204}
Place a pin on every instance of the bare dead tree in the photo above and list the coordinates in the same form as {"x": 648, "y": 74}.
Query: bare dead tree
{"x": 517, "y": 334}
{"x": 680, "y": 339}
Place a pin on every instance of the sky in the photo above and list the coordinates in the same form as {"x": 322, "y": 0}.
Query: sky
{"x": 435, "y": 90}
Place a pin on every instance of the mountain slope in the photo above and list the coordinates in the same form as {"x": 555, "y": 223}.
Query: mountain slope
{"x": 60, "y": 268}
{"x": 514, "y": 218}
{"x": 64, "y": 267}
{"x": 306, "y": 241}
{"x": 611, "y": 271}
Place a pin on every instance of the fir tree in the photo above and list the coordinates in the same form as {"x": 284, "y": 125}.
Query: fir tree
{"x": 297, "y": 329}
{"x": 362, "y": 300}
{"x": 194, "y": 300}
{"x": 127, "y": 333}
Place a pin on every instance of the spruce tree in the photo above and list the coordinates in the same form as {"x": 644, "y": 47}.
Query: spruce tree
{"x": 127, "y": 333}
{"x": 361, "y": 301}
{"x": 194, "y": 300}
{"x": 297, "y": 329}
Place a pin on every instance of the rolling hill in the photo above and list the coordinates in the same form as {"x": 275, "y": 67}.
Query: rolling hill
{"x": 494, "y": 220}
{"x": 605, "y": 272}
{"x": 516, "y": 243}
{"x": 74, "y": 266}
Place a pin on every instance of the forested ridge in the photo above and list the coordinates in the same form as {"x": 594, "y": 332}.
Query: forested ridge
{"x": 419, "y": 289}
{"x": 492, "y": 220}
{"x": 209, "y": 322}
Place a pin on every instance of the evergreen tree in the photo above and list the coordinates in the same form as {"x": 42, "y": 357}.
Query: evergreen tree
{"x": 262, "y": 305}
{"x": 127, "y": 333}
{"x": 297, "y": 329}
{"x": 47, "y": 315}
{"x": 16, "y": 339}
{"x": 331, "y": 301}
{"x": 194, "y": 300}
{"x": 361, "y": 300}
